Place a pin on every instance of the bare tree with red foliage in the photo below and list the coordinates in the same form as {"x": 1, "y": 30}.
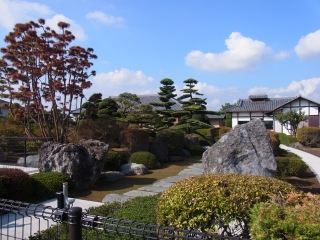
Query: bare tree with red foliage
{"x": 42, "y": 76}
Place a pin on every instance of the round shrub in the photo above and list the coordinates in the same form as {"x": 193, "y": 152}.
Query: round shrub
{"x": 203, "y": 202}
{"x": 113, "y": 161}
{"x": 148, "y": 159}
{"x": 16, "y": 184}
{"x": 46, "y": 184}
{"x": 272, "y": 220}
{"x": 174, "y": 139}
{"x": 309, "y": 136}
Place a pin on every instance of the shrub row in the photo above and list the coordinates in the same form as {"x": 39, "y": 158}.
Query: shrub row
{"x": 15, "y": 184}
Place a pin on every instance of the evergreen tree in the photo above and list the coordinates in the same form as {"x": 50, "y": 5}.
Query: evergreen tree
{"x": 165, "y": 96}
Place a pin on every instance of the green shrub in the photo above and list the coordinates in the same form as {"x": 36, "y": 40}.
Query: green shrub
{"x": 195, "y": 150}
{"x": 113, "y": 161}
{"x": 203, "y": 202}
{"x": 46, "y": 184}
{"x": 148, "y": 159}
{"x": 309, "y": 136}
{"x": 174, "y": 140}
{"x": 286, "y": 139}
{"x": 140, "y": 209}
{"x": 271, "y": 220}
{"x": 290, "y": 166}
{"x": 104, "y": 210}
{"x": 16, "y": 184}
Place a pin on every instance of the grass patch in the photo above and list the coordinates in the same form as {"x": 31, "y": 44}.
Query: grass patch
{"x": 102, "y": 188}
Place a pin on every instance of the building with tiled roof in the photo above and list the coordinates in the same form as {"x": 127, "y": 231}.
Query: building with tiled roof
{"x": 261, "y": 106}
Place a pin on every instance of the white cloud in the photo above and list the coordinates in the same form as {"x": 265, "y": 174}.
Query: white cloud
{"x": 208, "y": 89}
{"x": 309, "y": 46}
{"x": 307, "y": 88}
{"x": 16, "y": 11}
{"x": 123, "y": 77}
{"x": 76, "y": 29}
{"x": 104, "y": 18}
{"x": 243, "y": 54}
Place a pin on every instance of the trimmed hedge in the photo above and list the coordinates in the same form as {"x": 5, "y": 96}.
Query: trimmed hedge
{"x": 46, "y": 184}
{"x": 309, "y": 136}
{"x": 174, "y": 140}
{"x": 195, "y": 150}
{"x": 286, "y": 139}
{"x": 113, "y": 161}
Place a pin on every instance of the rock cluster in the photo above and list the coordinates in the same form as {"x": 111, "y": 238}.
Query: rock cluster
{"x": 83, "y": 161}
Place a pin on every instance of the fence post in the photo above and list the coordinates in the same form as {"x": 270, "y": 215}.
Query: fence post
{"x": 74, "y": 222}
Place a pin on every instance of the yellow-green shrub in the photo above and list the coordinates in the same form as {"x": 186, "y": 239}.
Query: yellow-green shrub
{"x": 290, "y": 166}
{"x": 200, "y": 202}
{"x": 309, "y": 136}
{"x": 148, "y": 159}
{"x": 288, "y": 220}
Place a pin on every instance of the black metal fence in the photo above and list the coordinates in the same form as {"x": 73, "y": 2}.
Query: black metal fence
{"x": 20, "y": 220}
{"x": 14, "y": 148}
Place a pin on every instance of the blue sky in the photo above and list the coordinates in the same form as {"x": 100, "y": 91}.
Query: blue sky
{"x": 232, "y": 48}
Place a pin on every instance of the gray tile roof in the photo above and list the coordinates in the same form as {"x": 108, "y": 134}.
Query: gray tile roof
{"x": 146, "y": 99}
{"x": 215, "y": 116}
{"x": 258, "y": 105}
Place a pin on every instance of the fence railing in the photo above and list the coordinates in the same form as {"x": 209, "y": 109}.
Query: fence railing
{"x": 14, "y": 148}
{"x": 20, "y": 220}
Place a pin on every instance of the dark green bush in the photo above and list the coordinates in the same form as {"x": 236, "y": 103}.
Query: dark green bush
{"x": 195, "y": 150}
{"x": 113, "y": 161}
{"x": 174, "y": 140}
{"x": 286, "y": 139}
{"x": 290, "y": 166}
{"x": 148, "y": 159}
{"x": 309, "y": 136}
{"x": 46, "y": 184}
{"x": 140, "y": 209}
{"x": 16, "y": 184}
{"x": 272, "y": 220}
{"x": 203, "y": 202}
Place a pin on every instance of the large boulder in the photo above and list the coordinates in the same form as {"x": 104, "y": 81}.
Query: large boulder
{"x": 133, "y": 169}
{"x": 246, "y": 149}
{"x": 83, "y": 161}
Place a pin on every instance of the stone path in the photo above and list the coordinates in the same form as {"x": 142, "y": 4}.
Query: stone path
{"x": 158, "y": 187}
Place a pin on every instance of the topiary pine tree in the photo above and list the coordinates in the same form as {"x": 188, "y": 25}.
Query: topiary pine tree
{"x": 193, "y": 106}
{"x": 165, "y": 96}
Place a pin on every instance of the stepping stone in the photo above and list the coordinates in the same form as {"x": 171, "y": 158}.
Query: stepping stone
{"x": 137, "y": 193}
{"x": 156, "y": 189}
{"x": 173, "y": 179}
{"x": 163, "y": 184}
{"x": 197, "y": 166}
{"x": 112, "y": 197}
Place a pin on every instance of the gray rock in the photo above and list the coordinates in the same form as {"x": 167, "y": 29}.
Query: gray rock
{"x": 246, "y": 149}
{"x": 83, "y": 161}
{"x": 31, "y": 161}
{"x": 133, "y": 169}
